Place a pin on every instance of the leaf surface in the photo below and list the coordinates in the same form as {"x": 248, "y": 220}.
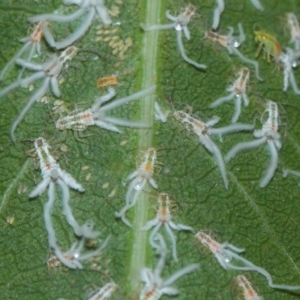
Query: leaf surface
{"x": 264, "y": 221}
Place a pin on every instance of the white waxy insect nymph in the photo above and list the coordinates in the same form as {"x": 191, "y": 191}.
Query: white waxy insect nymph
{"x": 96, "y": 115}
{"x": 103, "y": 293}
{"x": 91, "y": 8}
{"x": 52, "y": 174}
{"x": 237, "y": 92}
{"x": 139, "y": 178}
{"x": 204, "y": 130}
{"x": 74, "y": 256}
{"x": 164, "y": 218}
{"x": 180, "y": 24}
{"x": 246, "y": 288}
{"x": 267, "y": 135}
{"x": 225, "y": 253}
{"x": 155, "y": 286}
{"x": 32, "y": 43}
{"x": 231, "y": 43}
{"x": 50, "y": 169}
{"x": 49, "y": 70}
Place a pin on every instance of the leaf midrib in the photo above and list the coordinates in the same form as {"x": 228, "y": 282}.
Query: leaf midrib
{"x": 149, "y": 63}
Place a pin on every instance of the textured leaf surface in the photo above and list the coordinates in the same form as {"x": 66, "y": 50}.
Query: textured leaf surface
{"x": 263, "y": 221}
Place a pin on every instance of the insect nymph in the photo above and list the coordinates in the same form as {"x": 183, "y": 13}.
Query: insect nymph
{"x": 231, "y": 43}
{"x": 96, "y": 115}
{"x": 92, "y": 8}
{"x": 226, "y": 254}
{"x": 155, "y": 286}
{"x": 32, "y": 43}
{"x": 246, "y": 288}
{"x": 237, "y": 92}
{"x": 180, "y": 24}
{"x": 164, "y": 218}
{"x": 139, "y": 178}
{"x": 49, "y": 71}
{"x": 52, "y": 174}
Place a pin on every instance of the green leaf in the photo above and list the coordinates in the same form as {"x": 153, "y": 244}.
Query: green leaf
{"x": 264, "y": 221}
